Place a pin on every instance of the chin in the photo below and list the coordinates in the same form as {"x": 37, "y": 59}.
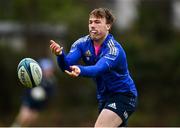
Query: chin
{"x": 94, "y": 38}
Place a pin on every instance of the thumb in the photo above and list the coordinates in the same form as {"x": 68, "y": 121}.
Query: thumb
{"x": 59, "y": 50}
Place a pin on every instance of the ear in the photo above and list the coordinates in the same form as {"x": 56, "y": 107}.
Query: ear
{"x": 108, "y": 26}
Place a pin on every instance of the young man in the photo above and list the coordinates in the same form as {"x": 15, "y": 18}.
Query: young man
{"x": 106, "y": 63}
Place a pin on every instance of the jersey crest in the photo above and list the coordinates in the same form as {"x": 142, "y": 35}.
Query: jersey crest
{"x": 88, "y": 53}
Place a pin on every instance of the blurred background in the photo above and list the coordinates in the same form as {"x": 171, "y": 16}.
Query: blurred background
{"x": 148, "y": 30}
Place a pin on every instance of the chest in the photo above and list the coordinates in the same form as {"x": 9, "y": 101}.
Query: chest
{"x": 90, "y": 57}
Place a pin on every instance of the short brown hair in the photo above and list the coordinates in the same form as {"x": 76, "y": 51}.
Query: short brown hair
{"x": 103, "y": 13}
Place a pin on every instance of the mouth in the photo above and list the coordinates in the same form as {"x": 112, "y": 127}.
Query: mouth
{"x": 93, "y": 31}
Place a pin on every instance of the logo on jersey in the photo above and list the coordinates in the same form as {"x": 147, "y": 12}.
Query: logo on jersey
{"x": 113, "y": 105}
{"x": 125, "y": 114}
{"x": 88, "y": 53}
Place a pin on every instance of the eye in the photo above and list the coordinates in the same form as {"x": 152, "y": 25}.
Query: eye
{"x": 97, "y": 21}
{"x": 90, "y": 22}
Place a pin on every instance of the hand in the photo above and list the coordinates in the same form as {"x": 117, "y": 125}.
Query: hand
{"x": 75, "y": 71}
{"x": 55, "y": 48}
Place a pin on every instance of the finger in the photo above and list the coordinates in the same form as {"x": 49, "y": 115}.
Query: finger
{"x": 58, "y": 50}
{"x": 75, "y": 74}
{"x": 75, "y": 69}
{"x": 69, "y": 73}
{"x": 72, "y": 74}
{"x": 52, "y": 45}
{"x": 52, "y": 41}
{"x": 55, "y": 46}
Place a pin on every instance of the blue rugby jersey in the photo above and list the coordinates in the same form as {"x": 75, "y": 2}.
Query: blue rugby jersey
{"x": 109, "y": 68}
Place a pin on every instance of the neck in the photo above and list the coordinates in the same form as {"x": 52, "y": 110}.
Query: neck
{"x": 100, "y": 41}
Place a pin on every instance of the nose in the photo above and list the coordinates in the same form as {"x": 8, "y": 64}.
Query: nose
{"x": 92, "y": 25}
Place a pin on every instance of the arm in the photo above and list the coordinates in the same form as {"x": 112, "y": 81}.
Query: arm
{"x": 65, "y": 61}
{"x": 105, "y": 64}
{"x": 102, "y": 66}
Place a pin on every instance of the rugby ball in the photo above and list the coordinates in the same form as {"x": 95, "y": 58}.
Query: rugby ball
{"x": 29, "y": 72}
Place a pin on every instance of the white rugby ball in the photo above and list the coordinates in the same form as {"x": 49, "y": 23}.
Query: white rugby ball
{"x": 29, "y": 72}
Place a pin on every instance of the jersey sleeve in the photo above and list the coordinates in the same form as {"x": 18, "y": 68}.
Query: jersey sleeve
{"x": 72, "y": 58}
{"x": 105, "y": 64}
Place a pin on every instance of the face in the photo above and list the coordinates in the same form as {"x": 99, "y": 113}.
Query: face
{"x": 98, "y": 28}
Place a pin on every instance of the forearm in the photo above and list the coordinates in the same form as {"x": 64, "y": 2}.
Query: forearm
{"x": 62, "y": 63}
{"x": 65, "y": 61}
{"x": 93, "y": 71}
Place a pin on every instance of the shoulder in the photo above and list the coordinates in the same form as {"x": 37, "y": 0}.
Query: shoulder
{"x": 81, "y": 40}
{"x": 114, "y": 49}
{"x": 113, "y": 46}
{"x": 113, "y": 43}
